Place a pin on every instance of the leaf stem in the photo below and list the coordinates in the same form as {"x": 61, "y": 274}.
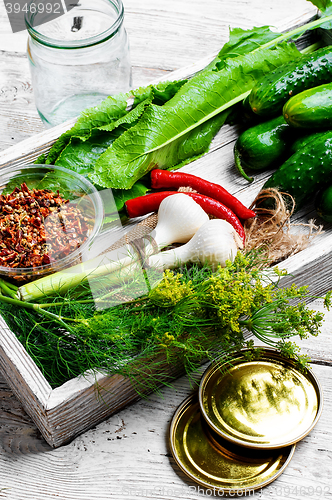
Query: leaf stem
{"x": 64, "y": 303}
{"x": 8, "y": 289}
{"x": 34, "y": 307}
{"x": 296, "y": 31}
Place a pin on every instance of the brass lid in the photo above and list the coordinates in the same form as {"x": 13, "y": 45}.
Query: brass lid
{"x": 216, "y": 463}
{"x": 264, "y": 403}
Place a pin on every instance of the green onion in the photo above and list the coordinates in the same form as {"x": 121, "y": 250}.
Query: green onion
{"x": 69, "y": 279}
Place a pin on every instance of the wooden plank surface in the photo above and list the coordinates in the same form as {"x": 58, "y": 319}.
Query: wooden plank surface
{"x": 127, "y": 456}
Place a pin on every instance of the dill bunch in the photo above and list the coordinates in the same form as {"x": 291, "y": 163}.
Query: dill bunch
{"x": 190, "y": 316}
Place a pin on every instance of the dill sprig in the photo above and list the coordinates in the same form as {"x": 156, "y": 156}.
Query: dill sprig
{"x": 191, "y": 315}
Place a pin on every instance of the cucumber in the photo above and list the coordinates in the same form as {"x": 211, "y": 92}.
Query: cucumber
{"x": 305, "y": 171}
{"x": 269, "y": 95}
{"x": 311, "y": 108}
{"x": 323, "y": 204}
{"x": 262, "y": 145}
{"x": 303, "y": 139}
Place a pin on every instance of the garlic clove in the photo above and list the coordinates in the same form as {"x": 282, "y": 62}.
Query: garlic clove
{"x": 214, "y": 244}
{"x": 179, "y": 217}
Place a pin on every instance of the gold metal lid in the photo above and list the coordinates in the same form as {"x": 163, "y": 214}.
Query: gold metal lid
{"x": 217, "y": 464}
{"x": 265, "y": 403}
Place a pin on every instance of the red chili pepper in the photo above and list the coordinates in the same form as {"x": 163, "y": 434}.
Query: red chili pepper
{"x": 161, "y": 179}
{"x": 217, "y": 209}
{"x": 142, "y": 205}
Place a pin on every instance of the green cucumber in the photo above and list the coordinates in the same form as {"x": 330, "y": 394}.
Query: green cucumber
{"x": 262, "y": 145}
{"x": 269, "y": 95}
{"x": 323, "y": 204}
{"x": 303, "y": 139}
{"x": 311, "y": 108}
{"x": 305, "y": 171}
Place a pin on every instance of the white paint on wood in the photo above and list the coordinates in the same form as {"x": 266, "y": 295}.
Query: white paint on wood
{"x": 126, "y": 456}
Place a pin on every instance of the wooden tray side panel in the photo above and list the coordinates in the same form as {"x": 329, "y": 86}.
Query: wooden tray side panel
{"x": 83, "y": 409}
{"x": 24, "y": 377}
{"x": 63, "y": 413}
{"x": 72, "y": 410}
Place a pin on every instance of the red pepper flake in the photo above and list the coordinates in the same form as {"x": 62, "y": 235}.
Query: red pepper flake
{"x": 38, "y": 227}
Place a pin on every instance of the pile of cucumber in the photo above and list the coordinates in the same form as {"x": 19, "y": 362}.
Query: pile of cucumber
{"x": 294, "y": 103}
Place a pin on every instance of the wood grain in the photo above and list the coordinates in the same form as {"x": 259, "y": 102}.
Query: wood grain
{"x": 127, "y": 456}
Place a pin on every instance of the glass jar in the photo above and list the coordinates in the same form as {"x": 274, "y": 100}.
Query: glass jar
{"x": 77, "y": 59}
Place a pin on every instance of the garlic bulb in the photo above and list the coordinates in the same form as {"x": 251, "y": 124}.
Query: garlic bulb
{"x": 215, "y": 242}
{"x": 179, "y": 217}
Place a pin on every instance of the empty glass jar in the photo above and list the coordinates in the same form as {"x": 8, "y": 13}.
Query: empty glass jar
{"x": 78, "y": 58}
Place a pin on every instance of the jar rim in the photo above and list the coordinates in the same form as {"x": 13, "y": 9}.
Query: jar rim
{"x": 83, "y": 42}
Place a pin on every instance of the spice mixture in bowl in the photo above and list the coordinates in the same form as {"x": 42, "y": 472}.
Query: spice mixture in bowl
{"x": 48, "y": 217}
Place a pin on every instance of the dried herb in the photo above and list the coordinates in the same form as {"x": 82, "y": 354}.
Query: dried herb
{"x": 38, "y": 227}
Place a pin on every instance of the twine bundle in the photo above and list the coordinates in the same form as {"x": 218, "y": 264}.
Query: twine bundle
{"x": 271, "y": 230}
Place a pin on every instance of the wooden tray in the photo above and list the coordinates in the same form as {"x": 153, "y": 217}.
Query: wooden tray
{"x": 64, "y": 412}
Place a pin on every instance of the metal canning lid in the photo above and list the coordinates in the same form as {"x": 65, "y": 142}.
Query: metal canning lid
{"x": 263, "y": 403}
{"x": 214, "y": 462}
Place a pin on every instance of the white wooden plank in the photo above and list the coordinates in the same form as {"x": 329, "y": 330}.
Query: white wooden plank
{"x": 128, "y": 456}
{"x": 60, "y": 417}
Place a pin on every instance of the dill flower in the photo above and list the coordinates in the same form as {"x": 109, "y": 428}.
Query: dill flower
{"x": 171, "y": 290}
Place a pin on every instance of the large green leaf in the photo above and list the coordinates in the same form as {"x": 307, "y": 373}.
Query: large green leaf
{"x": 108, "y": 114}
{"x": 322, "y": 5}
{"x": 81, "y": 156}
{"x": 157, "y": 138}
{"x": 159, "y": 93}
{"x": 242, "y": 42}
{"x": 81, "y": 153}
{"x": 325, "y": 6}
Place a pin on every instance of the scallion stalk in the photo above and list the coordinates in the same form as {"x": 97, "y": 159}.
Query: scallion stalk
{"x": 69, "y": 279}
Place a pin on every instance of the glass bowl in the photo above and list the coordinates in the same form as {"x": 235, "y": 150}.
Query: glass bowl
{"x": 63, "y": 231}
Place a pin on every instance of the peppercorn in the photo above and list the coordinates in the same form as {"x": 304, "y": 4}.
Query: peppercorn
{"x": 38, "y": 227}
